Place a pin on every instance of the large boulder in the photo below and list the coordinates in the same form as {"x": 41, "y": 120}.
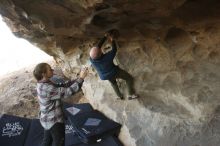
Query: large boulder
{"x": 171, "y": 48}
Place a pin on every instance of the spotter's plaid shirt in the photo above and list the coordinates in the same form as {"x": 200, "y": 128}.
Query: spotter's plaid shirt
{"x": 49, "y": 97}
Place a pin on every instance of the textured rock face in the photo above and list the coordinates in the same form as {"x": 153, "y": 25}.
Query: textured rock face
{"x": 171, "y": 49}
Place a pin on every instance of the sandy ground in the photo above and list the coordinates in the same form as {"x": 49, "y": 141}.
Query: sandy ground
{"x": 18, "y": 94}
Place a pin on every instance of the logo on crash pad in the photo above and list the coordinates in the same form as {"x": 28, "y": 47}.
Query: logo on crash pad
{"x": 12, "y": 129}
{"x": 69, "y": 129}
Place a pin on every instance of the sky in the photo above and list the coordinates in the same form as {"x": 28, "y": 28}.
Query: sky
{"x": 17, "y": 53}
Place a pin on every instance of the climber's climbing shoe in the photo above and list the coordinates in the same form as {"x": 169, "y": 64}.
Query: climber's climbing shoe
{"x": 131, "y": 97}
{"x": 120, "y": 98}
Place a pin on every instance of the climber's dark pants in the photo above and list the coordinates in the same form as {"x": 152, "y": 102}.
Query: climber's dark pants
{"x": 56, "y": 134}
{"x": 125, "y": 76}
